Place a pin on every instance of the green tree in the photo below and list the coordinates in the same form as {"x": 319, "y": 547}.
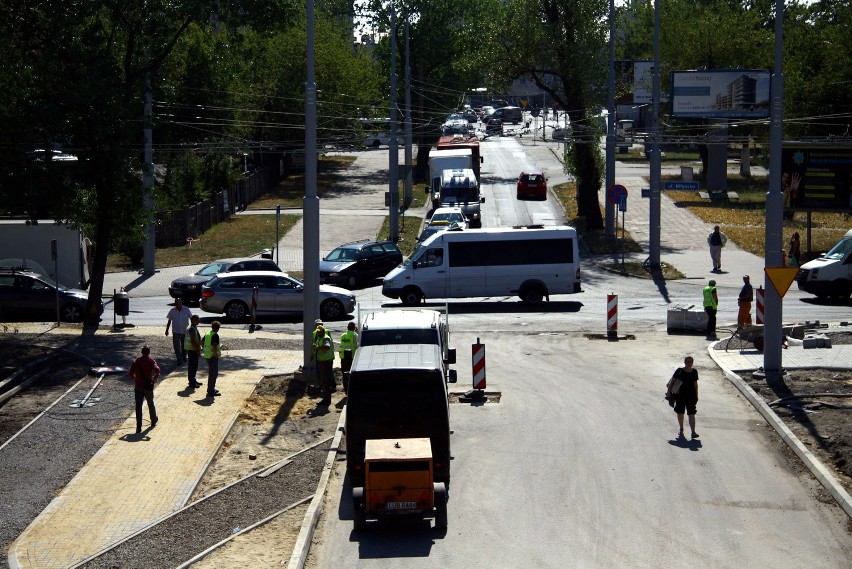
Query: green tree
{"x": 561, "y": 46}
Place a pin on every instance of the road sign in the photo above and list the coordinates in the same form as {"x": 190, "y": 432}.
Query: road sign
{"x": 622, "y": 202}
{"x": 781, "y": 278}
{"x": 680, "y": 185}
{"x": 615, "y": 192}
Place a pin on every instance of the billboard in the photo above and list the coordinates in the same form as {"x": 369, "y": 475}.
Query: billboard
{"x": 643, "y": 72}
{"x": 816, "y": 176}
{"x": 730, "y": 93}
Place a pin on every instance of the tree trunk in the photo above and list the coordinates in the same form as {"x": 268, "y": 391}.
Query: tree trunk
{"x": 102, "y": 241}
{"x": 588, "y": 186}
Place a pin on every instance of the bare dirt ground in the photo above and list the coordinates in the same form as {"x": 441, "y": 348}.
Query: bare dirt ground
{"x": 816, "y": 405}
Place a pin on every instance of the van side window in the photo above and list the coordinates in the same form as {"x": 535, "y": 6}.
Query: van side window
{"x": 433, "y": 258}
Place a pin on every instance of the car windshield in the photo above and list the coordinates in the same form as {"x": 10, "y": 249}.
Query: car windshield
{"x": 343, "y": 254}
{"x": 459, "y": 194}
{"x": 213, "y": 269}
{"x": 840, "y": 250}
{"x": 47, "y": 282}
{"x": 448, "y": 217}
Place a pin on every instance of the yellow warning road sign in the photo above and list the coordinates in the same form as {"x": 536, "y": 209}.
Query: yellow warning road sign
{"x": 524, "y": 103}
{"x": 781, "y": 278}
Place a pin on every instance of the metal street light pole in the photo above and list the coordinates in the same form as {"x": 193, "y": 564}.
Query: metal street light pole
{"x": 310, "y": 211}
{"x": 609, "y": 207}
{"x": 654, "y": 214}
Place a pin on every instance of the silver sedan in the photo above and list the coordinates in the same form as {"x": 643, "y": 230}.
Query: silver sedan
{"x": 274, "y": 294}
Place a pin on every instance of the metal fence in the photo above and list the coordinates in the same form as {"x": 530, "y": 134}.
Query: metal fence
{"x": 179, "y": 227}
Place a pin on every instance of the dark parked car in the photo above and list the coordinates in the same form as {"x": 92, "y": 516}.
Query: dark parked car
{"x": 513, "y": 115}
{"x": 358, "y": 262}
{"x": 277, "y": 294}
{"x": 30, "y": 296}
{"x": 189, "y": 288}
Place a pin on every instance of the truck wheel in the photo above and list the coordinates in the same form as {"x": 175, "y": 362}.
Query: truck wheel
{"x": 359, "y": 519}
{"x": 411, "y": 296}
{"x": 532, "y": 295}
{"x": 841, "y": 289}
{"x": 440, "y": 505}
{"x": 236, "y": 311}
{"x": 71, "y": 313}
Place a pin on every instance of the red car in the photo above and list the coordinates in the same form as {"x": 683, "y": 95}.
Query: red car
{"x": 532, "y": 185}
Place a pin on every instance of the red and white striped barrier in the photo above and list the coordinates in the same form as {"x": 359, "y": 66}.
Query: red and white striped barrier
{"x": 478, "y": 351}
{"x": 759, "y": 311}
{"x": 611, "y": 314}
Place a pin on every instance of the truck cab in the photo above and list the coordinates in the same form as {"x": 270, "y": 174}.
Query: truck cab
{"x": 399, "y": 481}
{"x": 460, "y": 188}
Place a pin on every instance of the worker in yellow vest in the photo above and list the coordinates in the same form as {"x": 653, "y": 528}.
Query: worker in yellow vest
{"x": 322, "y": 350}
{"x": 711, "y": 305}
{"x": 212, "y": 351}
{"x": 348, "y": 345}
{"x": 192, "y": 348}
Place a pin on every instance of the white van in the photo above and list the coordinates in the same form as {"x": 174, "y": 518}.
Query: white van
{"x": 531, "y": 262}
{"x": 459, "y": 188}
{"x": 830, "y": 276}
{"x": 408, "y": 326}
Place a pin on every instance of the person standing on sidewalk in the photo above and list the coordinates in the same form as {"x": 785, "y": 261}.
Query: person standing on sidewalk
{"x": 212, "y": 351}
{"x": 192, "y": 349}
{"x": 323, "y": 351}
{"x": 711, "y": 305}
{"x": 145, "y": 372}
{"x": 744, "y": 301}
{"x": 794, "y": 253}
{"x": 178, "y": 319}
{"x": 348, "y": 345}
{"x": 686, "y": 399}
{"x": 716, "y": 240}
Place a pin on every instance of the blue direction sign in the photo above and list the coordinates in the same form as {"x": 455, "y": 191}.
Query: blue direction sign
{"x": 680, "y": 185}
{"x": 615, "y": 192}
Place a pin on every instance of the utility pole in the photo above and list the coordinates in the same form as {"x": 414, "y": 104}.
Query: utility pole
{"x": 654, "y": 214}
{"x": 149, "y": 247}
{"x": 773, "y": 315}
{"x": 393, "y": 152}
{"x": 310, "y": 206}
{"x": 609, "y": 207}
{"x": 409, "y": 162}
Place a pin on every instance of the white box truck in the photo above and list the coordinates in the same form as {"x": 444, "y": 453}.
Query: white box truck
{"x": 531, "y": 262}
{"x": 440, "y": 160}
{"x": 829, "y": 276}
{"x": 460, "y": 188}
{"x": 28, "y": 245}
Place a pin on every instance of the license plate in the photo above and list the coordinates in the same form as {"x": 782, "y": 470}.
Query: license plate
{"x": 400, "y": 505}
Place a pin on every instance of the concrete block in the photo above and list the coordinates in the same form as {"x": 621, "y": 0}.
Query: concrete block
{"x": 686, "y": 317}
{"x": 810, "y": 343}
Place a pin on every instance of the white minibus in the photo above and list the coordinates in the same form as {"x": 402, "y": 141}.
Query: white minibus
{"x": 532, "y": 262}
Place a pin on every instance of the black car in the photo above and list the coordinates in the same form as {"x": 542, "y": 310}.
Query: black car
{"x": 30, "y": 296}
{"x": 188, "y": 288}
{"x": 358, "y": 262}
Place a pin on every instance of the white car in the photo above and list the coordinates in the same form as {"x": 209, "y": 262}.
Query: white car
{"x": 450, "y": 215}
{"x": 375, "y": 140}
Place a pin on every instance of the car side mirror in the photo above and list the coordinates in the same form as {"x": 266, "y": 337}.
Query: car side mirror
{"x": 452, "y": 376}
{"x": 481, "y": 199}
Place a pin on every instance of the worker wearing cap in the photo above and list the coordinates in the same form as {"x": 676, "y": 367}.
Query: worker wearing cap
{"x": 711, "y": 305}
{"x": 322, "y": 348}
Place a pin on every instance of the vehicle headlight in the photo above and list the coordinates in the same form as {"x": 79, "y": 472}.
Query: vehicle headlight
{"x": 387, "y": 282}
{"x": 334, "y": 274}
{"x": 815, "y": 273}
{"x": 191, "y": 286}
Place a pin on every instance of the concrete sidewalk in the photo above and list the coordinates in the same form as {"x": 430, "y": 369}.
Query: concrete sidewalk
{"x": 134, "y": 480}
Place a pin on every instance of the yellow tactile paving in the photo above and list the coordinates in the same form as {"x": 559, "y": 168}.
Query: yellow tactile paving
{"x": 130, "y": 483}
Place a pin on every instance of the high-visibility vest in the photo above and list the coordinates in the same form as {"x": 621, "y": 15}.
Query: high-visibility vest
{"x": 348, "y": 341}
{"x": 709, "y": 299}
{"x": 324, "y": 355}
{"x": 191, "y": 332}
{"x": 210, "y": 350}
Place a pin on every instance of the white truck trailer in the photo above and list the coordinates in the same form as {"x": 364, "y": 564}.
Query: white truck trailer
{"x": 440, "y": 160}
{"x": 30, "y": 245}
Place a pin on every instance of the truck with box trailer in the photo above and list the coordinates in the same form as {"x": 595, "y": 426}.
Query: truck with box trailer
{"x": 32, "y": 245}
{"x": 440, "y": 160}
{"x": 460, "y": 188}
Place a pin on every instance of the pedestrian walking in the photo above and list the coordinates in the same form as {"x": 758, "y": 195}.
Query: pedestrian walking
{"x": 211, "y": 349}
{"x": 794, "y": 251}
{"x": 178, "y": 319}
{"x": 716, "y": 240}
{"x": 711, "y": 305}
{"x": 192, "y": 348}
{"x": 348, "y": 345}
{"x": 744, "y": 301}
{"x": 686, "y": 397}
{"x": 322, "y": 351}
{"x": 145, "y": 372}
